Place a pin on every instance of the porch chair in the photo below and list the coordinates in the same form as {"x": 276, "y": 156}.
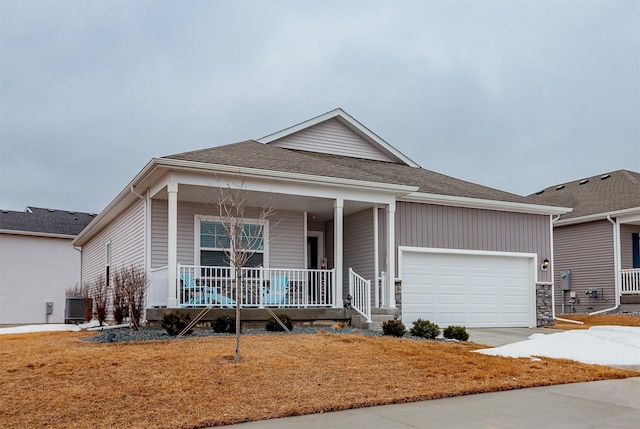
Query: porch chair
{"x": 208, "y": 296}
{"x": 278, "y": 292}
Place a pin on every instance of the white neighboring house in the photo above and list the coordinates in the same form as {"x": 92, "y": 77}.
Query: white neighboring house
{"x": 38, "y": 263}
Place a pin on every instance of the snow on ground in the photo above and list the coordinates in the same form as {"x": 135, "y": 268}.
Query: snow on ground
{"x": 602, "y": 345}
{"x": 51, "y": 327}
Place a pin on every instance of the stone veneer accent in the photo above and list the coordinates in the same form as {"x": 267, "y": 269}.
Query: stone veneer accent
{"x": 544, "y": 306}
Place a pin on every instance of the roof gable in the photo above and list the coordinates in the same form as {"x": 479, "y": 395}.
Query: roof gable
{"x": 45, "y": 221}
{"x": 337, "y": 133}
{"x": 601, "y": 194}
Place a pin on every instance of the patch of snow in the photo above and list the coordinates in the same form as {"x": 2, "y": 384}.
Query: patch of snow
{"x": 602, "y": 345}
{"x": 50, "y": 327}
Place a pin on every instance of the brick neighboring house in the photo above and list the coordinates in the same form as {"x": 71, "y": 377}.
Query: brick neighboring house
{"x": 38, "y": 263}
{"x": 596, "y": 246}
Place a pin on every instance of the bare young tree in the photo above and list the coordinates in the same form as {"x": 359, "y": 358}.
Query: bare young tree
{"x": 245, "y": 238}
{"x": 99, "y": 292}
{"x": 130, "y": 287}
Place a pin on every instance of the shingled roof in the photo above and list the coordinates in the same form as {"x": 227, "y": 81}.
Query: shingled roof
{"x": 45, "y": 221}
{"x": 601, "y": 194}
{"x": 252, "y": 154}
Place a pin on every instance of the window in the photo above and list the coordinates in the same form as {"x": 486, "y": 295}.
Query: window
{"x": 211, "y": 241}
{"x": 635, "y": 238}
{"x": 107, "y": 262}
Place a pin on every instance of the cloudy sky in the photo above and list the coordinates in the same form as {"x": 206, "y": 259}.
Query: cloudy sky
{"x": 512, "y": 95}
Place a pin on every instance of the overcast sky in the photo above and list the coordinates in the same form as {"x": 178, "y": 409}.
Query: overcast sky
{"x": 513, "y": 95}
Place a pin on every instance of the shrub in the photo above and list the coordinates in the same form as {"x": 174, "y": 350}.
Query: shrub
{"x": 456, "y": 332}
{"x": 425, "y": 329}
{"x": 224, "y": 324}
{"x": 393, "y": 327}
{"x": 272, "y": 324}
{"x": 175, "y": 322}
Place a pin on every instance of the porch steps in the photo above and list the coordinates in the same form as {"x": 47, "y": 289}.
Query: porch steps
{"x": 378, "y": 317}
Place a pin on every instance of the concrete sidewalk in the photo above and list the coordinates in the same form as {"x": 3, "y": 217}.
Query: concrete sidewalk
{"x": 597, "y": 404}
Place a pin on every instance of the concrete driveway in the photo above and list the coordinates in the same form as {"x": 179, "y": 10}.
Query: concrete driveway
{"x": 497, "y": 337}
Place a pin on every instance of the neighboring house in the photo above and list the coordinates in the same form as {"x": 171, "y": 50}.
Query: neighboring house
{"x": 437, "y": 247}
{"x": 596, "y": 246}
{"x": 38, "y": 263}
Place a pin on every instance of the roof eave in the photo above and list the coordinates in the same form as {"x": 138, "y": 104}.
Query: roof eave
{"x": 480, "y": 203}
{"x": 279, "y": 175}
{"x": 596, "y": 216}
{"x": 37, "y": 234}
{"x": 106, "y": 214}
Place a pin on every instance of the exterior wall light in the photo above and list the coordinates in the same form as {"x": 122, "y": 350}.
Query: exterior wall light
{"x": 545, "y": 264}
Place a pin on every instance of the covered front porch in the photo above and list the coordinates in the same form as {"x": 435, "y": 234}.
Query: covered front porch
{"x": 324, "y": 246}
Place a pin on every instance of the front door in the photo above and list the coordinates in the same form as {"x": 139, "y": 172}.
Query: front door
{"x": 315, "y": 251}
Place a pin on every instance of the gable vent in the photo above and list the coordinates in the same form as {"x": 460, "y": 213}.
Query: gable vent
{"x": 606, "y": 176}
{"x": 582, "y": 182}
{"x": 559, "y": 187}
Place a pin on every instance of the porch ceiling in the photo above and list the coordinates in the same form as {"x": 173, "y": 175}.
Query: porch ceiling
{"x": 319, "y": 209}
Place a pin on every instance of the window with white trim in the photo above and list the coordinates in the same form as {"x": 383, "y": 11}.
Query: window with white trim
{"x": 107, "y": 262}
{"x": 211, "y": 241}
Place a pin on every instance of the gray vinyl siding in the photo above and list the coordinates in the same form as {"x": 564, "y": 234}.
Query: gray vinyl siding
{"x": 359, "y": 246}
{"x": 626, "y": 245}
{"x": 332, "y": 137}
{"x": 586, "y": 250}
{"x": 328, "y": 244}
{"x": 286, "y": 234}
{"x": 126, "y": 234}
{"x": 428, "y": 225}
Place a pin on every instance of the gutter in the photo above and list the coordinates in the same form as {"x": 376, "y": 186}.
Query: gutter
{"x": 616, "y": 259}
{"x": 480, "y": 203}
{"x": 597, "y": 216}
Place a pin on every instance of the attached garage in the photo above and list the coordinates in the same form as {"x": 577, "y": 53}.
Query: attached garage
{"x": 475, "y": 289}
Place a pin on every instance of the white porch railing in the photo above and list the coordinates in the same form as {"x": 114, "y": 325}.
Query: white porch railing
{"x": 630, "y": 281}
{"x": 200, "y": 286}
{"x": 360, "y": 291}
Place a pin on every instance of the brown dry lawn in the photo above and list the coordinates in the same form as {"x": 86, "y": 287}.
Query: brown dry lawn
{"x": 58, "y": 381}
{"x": 596, "y": 320}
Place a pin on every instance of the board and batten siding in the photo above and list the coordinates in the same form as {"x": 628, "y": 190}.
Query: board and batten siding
{"x": 334, "y": 138}
{"x": 586, "y": 250}
{"x": 126, "y": 234}
{"x": 359, "y": 246}
{"x": 286, "y": 234}
{"x": 626, "y": 245}
{"x": 429, "y": 225}
{"x": 33, "y": 271}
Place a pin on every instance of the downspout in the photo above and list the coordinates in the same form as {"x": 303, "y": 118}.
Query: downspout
{"x": 553, "y": 292}
{"x": 616, "y": 266}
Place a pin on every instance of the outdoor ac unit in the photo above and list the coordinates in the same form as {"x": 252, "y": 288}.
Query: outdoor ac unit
{"x": 75, "y": 309}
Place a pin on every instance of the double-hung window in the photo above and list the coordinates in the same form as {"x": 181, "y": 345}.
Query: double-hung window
{"x": 213, "y": 244}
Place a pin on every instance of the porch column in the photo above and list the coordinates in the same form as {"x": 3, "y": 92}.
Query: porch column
{"x": 338, "y": 207}
{"x": 172, "y": 251}
{"x": 391, "y": 253}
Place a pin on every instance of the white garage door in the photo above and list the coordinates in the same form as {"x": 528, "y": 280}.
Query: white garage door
{"x": 472, "y": 289}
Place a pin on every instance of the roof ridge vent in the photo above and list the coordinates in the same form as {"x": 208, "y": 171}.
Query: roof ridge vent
{"x": 559, "y": 187}
{"x": 582, "y": 182}
{"x": 605, "y": 176}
